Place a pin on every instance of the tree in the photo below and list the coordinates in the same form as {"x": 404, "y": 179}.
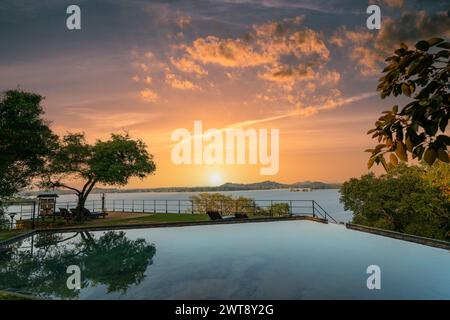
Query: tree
{"x": 111, "y": 162}
{"x": 25, "y": 140}
{"x": 406, "y": 199}
{"x": 419, "y": 127}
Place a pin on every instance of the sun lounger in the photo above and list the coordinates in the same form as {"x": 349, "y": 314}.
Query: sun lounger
{"x": 215, "y": 215}
{"x": 64, "y": 213}
{"x": 88, "y": 214}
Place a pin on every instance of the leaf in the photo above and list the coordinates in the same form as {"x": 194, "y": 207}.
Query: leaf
{"x": 400, "y": 151}
{"x": 409, "y": 144}
{"x": 406, "y": 89}
{"x": 390, "y": 67}
{"x": 383, "y": 162}
{"x": 418, "y": 152}
{"x": 404, "y": 46}
{"x": 422, "y": 45}
{"x": 370, "y": 162}
{"x": 443, "y": 123}
{"x": 443, "y": 155}
{"x": 430, "y": 156}
{"x": 445, "y": 45}
{"x": 434, "y": 41}
{"x": 394, "y": 159}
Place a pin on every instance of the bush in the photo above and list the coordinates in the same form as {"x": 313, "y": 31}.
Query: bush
{"x": 225, "y": 204}
{"x": 276, "y": 210}
{"x": 407, "y": 199}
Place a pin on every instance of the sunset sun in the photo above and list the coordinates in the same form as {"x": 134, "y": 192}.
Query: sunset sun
{"x": 215, "y": 179}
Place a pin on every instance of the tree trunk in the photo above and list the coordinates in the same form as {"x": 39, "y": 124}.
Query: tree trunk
{"x": 82, "y": 197}
{"x": 80, "y": 207}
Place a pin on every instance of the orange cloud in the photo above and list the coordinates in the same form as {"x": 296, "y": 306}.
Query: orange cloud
{"x": 180, "y": 84}
{"x": 188, "y": 65}
{"x": 149, "y": 95}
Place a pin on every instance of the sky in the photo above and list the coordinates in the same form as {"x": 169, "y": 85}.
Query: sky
{"x": 308, "y": 69}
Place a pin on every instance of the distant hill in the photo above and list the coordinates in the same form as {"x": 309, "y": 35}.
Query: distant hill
{"x": 264, "y": 185}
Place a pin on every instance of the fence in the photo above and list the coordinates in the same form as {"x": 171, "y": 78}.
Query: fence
{"x": 17, "y": 212}
{"x": 14, "y": 212}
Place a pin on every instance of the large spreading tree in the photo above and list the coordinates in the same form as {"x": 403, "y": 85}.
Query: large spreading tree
{"x": 25, "y": 140}
{"x": 418, "y": 128}
{"x": 110, "y": 162}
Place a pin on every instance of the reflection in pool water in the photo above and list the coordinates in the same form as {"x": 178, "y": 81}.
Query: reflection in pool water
{"x": 271, "y": 260}
{"x": 111, "y": 260}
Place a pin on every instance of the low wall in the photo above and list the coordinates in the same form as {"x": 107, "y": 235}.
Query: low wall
{"x": 401, "y": 236}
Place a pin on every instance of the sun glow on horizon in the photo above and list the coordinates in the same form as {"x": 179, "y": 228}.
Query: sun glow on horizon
{"x": 215, "y": 179}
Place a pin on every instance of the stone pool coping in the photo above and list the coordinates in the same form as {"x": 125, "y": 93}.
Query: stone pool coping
{"x": 155, "y": 225}
{"x": 401, "y": 236}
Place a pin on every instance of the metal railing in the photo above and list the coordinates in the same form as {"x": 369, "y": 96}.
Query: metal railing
{"x": 17, "y": 212}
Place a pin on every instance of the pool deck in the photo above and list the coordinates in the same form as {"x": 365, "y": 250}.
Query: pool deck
{"x": 157, "y": 225}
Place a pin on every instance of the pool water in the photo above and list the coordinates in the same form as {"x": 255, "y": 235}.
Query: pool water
{"x": 265, "y": 260}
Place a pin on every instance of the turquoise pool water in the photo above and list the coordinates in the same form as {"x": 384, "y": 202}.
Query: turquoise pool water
{"x": 269, "y": 260}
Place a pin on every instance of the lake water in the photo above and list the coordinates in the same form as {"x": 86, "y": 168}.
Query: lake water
{"x": 265, "y": 260}
{"x": 327, "y": 198}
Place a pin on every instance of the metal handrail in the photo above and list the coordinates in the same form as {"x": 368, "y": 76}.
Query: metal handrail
{"x": 30, "y": 210}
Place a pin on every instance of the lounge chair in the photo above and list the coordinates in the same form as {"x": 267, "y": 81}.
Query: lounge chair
{"x": 64, "y": 213}
{"x": 95, "y": 214}
{"x": 241, "y": 215}
{"x": 88, "y": 214}
{"x": 215, "y": 215}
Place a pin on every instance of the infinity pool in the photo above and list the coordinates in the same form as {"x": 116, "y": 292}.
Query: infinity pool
{"x": 265, "y": 260}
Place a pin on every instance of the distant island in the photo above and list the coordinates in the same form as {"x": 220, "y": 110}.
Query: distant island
{"x": 265, "y": 185}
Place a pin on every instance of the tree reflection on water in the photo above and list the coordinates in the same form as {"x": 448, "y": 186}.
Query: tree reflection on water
{"x": 112, "y": 260}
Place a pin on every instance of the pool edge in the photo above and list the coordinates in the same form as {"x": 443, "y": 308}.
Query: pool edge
{"x": 156, "y": 225}
{"x": 441, "y": 244}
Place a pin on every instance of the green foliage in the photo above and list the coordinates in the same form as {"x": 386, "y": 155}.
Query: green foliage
{"x": 111, "y": 162}
{"x": 112, "y": 260}
{"x": 226, "y": 205}
{"x": 275, "y": 210}
{"x": 406, "y": 199}
{"x": 25, "y": 140}
{"x": 419, "y": 128}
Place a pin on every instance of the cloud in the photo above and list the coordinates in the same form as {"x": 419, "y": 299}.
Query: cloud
{"x": 183, "y": 21}
{"x": 149, "y": 95}
{"x": 368, "y": 50}
{"x": 389, "y": 3}
{"x": 188, "y": 65}
{"x": 148, "y": 80}
{"x": 180, "y": 84}
{"x": 327, "y": 104}
{"x": 226, "y": 52}
{"x": 269, "y": 44}
{"x": 368, "y": 61}
{"x": 411, "y": 27}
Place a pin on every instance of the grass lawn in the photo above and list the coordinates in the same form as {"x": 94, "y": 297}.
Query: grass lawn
{"x": 137, "y": 218}
{"x": 6, "y": 234}
{"x": 13, "y": 296}
{"x": 114, "y": 219}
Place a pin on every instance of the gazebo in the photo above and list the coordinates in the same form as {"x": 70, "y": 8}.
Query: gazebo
{"x": 47, "y": 203}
